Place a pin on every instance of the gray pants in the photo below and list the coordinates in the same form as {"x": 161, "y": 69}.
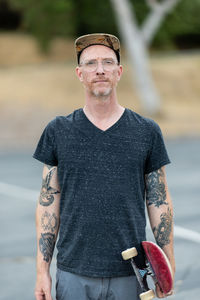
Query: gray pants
{"x": 70, "y": 286}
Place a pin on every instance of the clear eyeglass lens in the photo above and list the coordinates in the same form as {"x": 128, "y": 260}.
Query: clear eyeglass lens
{"x": 107, "y": 64}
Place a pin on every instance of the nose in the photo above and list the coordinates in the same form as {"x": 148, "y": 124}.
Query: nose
{"x": 99, "y": 69}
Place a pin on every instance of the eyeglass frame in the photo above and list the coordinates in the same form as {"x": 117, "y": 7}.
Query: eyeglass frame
{"x": 83, "y": 64}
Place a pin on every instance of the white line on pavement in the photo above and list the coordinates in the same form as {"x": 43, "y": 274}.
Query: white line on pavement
{"x": 29, "y": 194}
{"x": 186, "y": 234}
{"x": 18, "y": 192}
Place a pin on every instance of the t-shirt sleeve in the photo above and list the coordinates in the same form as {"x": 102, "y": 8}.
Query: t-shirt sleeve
{"x": 46, "y": 148}
{"x": 158, "y": 155}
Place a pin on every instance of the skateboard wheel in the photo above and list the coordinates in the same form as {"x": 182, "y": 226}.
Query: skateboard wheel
{"x": 147, "y": 295}
{"x": 129, "y": 253}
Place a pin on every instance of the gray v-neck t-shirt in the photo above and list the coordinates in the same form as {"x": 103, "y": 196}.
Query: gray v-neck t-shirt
{"x": 102, "y": 180}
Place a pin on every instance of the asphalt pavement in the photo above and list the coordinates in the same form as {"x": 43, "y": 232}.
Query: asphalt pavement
{"x": 20, "y": 181}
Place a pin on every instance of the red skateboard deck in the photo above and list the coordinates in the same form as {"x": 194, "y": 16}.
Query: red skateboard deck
{"x": 157, "y": 266}
{"x": 160, "y": 265}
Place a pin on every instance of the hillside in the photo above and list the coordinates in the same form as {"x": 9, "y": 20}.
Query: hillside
{"x": 34, "y": 88}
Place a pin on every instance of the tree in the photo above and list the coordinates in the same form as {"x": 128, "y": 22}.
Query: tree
{"x": 46, "y": 19}
{"x": 137, "y": 41}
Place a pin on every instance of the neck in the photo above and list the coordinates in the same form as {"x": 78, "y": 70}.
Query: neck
{"x": 101, "y": 108}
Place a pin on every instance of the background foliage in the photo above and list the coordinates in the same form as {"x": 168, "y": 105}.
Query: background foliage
{"x": 70, "y": 18}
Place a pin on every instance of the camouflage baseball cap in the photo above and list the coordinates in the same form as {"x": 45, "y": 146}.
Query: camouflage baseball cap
{"x": 104, "y": 39}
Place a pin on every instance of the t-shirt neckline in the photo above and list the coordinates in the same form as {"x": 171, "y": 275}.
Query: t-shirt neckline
{"x": 92, "y": 125}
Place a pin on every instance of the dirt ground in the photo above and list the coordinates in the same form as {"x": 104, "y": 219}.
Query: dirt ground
{"x": 34, "y": 88}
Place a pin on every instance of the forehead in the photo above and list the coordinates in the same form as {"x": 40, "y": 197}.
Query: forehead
{"x": 97, "y": 51}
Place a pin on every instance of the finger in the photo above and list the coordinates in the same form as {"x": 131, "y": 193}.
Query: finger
{"x": 170, "y": 293}
{"x": 159, "y": 292}
{"x": 39, "y": 296}
{"x": 48, "y": 296}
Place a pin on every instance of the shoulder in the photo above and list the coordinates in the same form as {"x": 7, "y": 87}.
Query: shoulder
{"x": 60, "y": 123}
{"x": 143, "y": 123}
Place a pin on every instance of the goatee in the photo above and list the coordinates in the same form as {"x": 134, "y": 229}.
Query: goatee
{"x": 101, "y": 94}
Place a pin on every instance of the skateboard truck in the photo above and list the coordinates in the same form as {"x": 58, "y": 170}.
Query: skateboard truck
{"x": 157, "y": 266}
{"x": 141, "y": 275}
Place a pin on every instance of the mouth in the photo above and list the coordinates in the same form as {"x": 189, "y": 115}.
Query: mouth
{"x": 100, "y": 80}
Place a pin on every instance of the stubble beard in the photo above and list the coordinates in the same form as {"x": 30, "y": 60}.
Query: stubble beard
{"x": 101, "y": 94}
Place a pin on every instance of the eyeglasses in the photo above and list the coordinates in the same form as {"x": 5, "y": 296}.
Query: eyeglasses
{"x": 92, "y": 65}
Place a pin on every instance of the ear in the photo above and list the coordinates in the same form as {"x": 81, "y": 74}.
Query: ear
{"x": 79, "y": 73}
{"x": 119, "y": 72}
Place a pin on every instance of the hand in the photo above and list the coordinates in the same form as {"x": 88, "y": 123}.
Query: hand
{"x": 43, "y": 287}
{"x": 160, "y": 294}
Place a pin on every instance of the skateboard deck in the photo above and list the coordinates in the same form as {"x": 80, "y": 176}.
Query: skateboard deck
{"x": 157, "y": 266}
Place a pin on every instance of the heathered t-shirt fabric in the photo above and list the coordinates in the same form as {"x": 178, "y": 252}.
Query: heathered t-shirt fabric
{"x": 102, "y": 180}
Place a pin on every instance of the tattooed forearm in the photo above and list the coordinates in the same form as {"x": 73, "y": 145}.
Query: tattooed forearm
{"x": 47, "y": 192}
{"x": 46, "y": 244}
{"x": 49, "y": 222}
{"x": 155, "y": 188}
{"x": 47, "y": 217}
{"x": 163, "y": 230}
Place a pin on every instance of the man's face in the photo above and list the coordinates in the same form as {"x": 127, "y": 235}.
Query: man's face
{"x": 98, "y": 70}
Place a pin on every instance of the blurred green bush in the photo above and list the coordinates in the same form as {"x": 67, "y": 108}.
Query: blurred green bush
{"x": 46, "y": 19}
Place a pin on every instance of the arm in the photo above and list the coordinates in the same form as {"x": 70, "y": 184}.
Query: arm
{"x": 47, "y": 224}
{"x": 160, "y": 211}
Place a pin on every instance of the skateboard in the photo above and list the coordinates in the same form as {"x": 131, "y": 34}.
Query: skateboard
{"x": 157, "y": 266}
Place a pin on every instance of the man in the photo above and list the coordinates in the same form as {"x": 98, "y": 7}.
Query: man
{"x": 101, "y": 163}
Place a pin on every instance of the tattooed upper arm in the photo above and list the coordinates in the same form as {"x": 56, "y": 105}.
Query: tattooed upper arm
{"x": 156, "y": 188}
{"x": 49, "y": 186}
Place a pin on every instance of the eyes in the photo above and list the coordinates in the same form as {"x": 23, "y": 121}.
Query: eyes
{"x": 104, "y": 62}
{"x": 108, "y": 64}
